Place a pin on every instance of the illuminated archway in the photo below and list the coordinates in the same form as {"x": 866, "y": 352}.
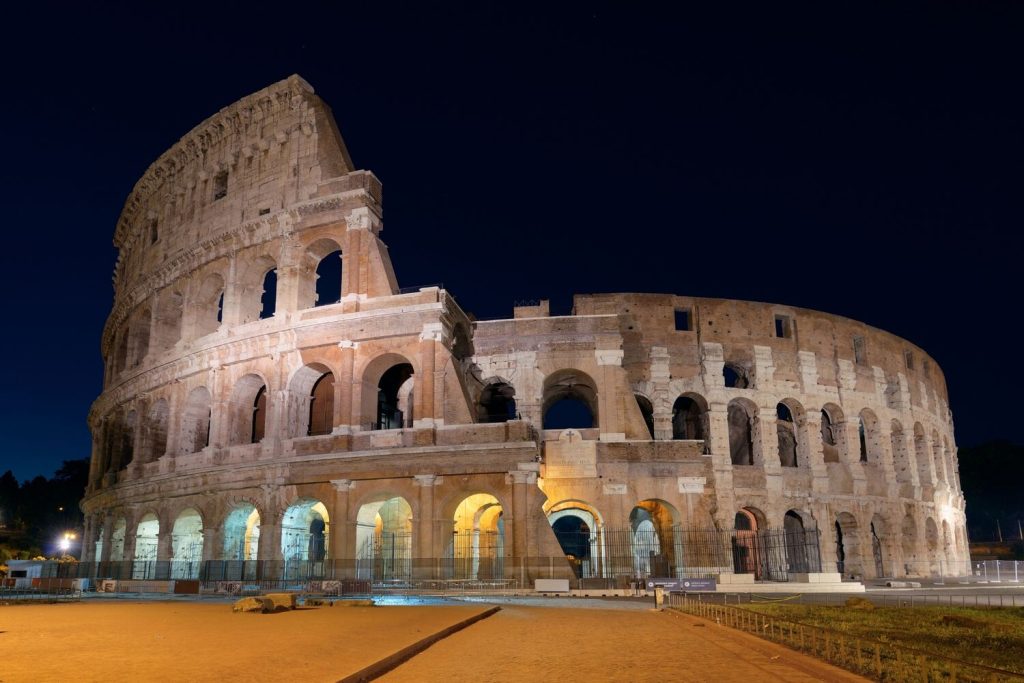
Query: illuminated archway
{"x": 478, "y": 538}
{"x": 384, "y": 540}
{"x": 186, "y": 545}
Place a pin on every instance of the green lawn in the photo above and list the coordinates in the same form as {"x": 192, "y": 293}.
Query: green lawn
{"x": 989, "y": 636}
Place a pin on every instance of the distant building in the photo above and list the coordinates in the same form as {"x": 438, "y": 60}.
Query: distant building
{"x": 271, "y": 394}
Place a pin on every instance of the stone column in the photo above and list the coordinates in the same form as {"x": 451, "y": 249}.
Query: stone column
{"x": 88, "y": 540}
{"x": 220, "y": 417}
{"x": 165, "y": 540}
{"x": 609, "y": 419}
{"x": 423, "y": 389}
{"x": 344, "y": 389}
{"x": 423, "y": 548}
{"x": 212, "y": 543}
{"x": 521, "y": 481}
{"x": 341, "y": 537}
{"x": 661, "y": 401}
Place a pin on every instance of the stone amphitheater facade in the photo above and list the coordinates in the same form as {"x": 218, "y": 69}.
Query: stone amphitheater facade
{"x": 262, "y": 404}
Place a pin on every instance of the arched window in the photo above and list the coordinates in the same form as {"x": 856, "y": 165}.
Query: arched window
{"x": 647, "y": 411}
{"x": 735, "y": 376}
{"x": 208, "y": 305}
{"x": 321, "y": 406}
{"x": 785, "y": 428}
{"x": 570, "y": 401}
{"x": 328, "y": 279}
{"x": 829, "y": 433}
{"x": 195, "y": 422}
{"x": 741, "y": 439}
{"x": 394, "y": 397}
{"x": 259, "y": 415}
{"x": 689, "y": 419}
{"x": 268, "y": 300}
{"x": 497, "y": 403}
{"x": 247, "y": 411}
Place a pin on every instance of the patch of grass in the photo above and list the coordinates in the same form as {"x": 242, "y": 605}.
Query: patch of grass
{"x": 988, "y": 636}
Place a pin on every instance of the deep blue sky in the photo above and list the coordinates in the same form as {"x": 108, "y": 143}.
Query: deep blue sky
{"x": 857, "y": 158}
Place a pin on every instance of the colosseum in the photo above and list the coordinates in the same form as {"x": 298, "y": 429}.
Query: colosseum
{"x": 276, "y": 407}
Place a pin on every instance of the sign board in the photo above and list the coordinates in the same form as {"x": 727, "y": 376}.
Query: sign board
{"x": 671, "y": 584}
{"x": 614, "y": 489}
{"x": 692, "y": 484}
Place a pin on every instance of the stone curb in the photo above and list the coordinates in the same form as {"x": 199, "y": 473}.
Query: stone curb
{"x": 395, "y": 659}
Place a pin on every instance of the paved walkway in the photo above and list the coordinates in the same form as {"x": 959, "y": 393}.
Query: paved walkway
{"x": 550, "y": 643}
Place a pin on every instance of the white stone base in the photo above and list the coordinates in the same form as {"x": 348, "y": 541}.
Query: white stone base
{"x": 822, "y": 582}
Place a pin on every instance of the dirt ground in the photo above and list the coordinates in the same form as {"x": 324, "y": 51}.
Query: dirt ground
{"x": 188, "y": 641}
{"x": 544, "y": 643}
{"x": 198, "y": 641}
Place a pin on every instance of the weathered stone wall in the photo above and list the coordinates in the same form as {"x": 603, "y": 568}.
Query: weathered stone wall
{"x": 207, "y": 402}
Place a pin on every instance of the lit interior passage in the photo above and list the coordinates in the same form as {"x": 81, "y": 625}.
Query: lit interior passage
{"x": 146, "y": 537}
{"x": 186, "y": 545}
{"x": 478, "y": 538}
{"x": 304, "y": 532}
{"x": 384, "y": 540}
{"x": 242, "y": 534}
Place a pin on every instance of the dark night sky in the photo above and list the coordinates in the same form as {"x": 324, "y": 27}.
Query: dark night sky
{"x": 856, "y": 158}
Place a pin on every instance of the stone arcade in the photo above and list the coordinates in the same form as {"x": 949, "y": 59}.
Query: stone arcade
{"x": 274, "y": 405}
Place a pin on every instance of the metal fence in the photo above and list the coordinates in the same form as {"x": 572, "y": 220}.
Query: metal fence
{"x": 882, "y": 661}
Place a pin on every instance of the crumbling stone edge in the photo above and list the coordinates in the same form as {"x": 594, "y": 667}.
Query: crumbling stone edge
{"x": 395, "y": 659}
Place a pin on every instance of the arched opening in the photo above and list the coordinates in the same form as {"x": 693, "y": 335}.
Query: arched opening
{"x": 259, "y": 416}
{"x": 848, "y": 554}
{"x": 478, "y": 538}
{"x": 268, "y": 295}
{"x": 785, "y": 428}
{"x": 242, "y": 533}
{"x": 321, "y": 406}
{"x": 647, "y": 412}
{"x": 908, "y": 542}
{"x": 735, "y": 376}
{"x": 653, "y": 524}
{"x": 384, "y": 540}
{"x": 247, "y": 411}
{"x": 870, "y": 443}
{"x": 121, "y": 355}
{"x": 578, "y": 529}
{"x": 195, "y": 422}
{"x": 305, "y": 527}
{"x": 394, "y": 397}
{"x": 208, "y": 305}
{"x": 801, "y": 557}
{"x": 169, "y": 309}
{"x": 117, "y": 537}
{"x": 147, "y": 534}
{"x": 186, "y": 545}
{"x": 740, "y": 417}
{"x": 328, "y": 279}
{"x": 689, "y": 418}
{"x": 570, "y": 401}
{"x": 139, "y": 331}
{"x": 831, "y": 416}
{"x": 497, "y": 403}
{"x": 155, "y": 437}
{"x": 900, "y": 455}
{"x": 125, "y": 450}
{"x": 747, "y": 555}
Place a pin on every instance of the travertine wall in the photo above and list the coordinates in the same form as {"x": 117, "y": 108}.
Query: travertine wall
{"x": 207, "y": 402}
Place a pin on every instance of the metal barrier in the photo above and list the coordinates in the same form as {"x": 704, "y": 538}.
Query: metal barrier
{"x": 23, "y": 595}
{"x": 879, "y": 660}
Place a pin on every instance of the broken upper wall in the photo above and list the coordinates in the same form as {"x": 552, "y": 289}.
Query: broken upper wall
{"x": 838, "y": 343}
{"x": 255, "y": 157}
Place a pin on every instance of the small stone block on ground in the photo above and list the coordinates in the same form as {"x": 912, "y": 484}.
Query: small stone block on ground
{"x": 280, "y": 601}
{"x": 249, "y": 605}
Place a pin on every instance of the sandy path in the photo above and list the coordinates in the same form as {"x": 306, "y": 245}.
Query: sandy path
{"x": 545, "y": 643}
{"x": 161, "y": 641}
